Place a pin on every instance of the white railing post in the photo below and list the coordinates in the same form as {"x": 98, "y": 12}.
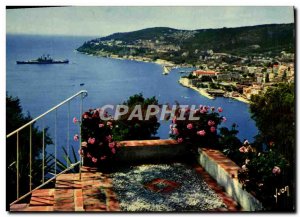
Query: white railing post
{"x": 30, "y": 157}
{"x": 17, "y": 164}
{"x": 43, "y": 153}
{"x": 55, "y": 142}
{"x": 80, "y": 136}
{"x": 68, "y": 136}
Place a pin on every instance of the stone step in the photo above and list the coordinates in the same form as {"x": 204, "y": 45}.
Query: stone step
{"x": 42, "y": 197}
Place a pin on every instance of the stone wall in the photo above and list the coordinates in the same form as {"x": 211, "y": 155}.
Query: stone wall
{"x": 224, "y": 171}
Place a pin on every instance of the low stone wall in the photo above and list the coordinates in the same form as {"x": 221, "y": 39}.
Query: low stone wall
{"x": 151, "y": 150}
{"x": 224, "y": 171}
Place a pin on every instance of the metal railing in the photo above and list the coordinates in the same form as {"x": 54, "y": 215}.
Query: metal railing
{"x": 83, "y": 94}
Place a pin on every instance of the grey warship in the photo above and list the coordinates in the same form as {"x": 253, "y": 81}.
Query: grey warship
{"x": 44, "y": 59}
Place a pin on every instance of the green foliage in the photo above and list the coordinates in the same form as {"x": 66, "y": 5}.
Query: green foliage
{"x": 15, "y": 119}
{"x": 213, "y": 85}
{"x": 191, "y": 76}
{"x": 61, "y": 166}
{"x": 230, "y": 144}
{"x": 261, "y": 179}
{"x": 137, "y": 129}
{"x": 274, "y": 114}
{"x": 271, "y": 38}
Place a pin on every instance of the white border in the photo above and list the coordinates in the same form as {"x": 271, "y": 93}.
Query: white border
{"x": 113, "y": 3}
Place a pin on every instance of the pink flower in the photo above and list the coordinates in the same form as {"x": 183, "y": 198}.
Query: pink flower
{"x": 211, "y": 123}
{"x": 109, "y": 123}
{"x": 189, "y": 126}
{"x": 76, "y": 137}
{"x": 101, "y": 125}
{"x": 244, "y": 167}
{"x": 247, "y": 161}
{"x": 91, "y": 140}
{"x": 109, "y": 138}
{"x": 103, "y": 158}
{"x": 212, "y": 129}
{"x": 111, "y": 145}
{"x": 89, "y": 155}
{"x": 201, "y": 132}
{"x": 224, "y": 119}
{"x": 94, "y": 160}
{"x": 243, "y": 149}
{"x": 113, "y": 150}
{"x": 174, "y": 120}
{"x": 276, "y": 170}
{"x": 203, "y": 111}
{"x": 175, "y": 131}
{"x": 85, "y": 115}
{"x": 220, "y": 109}
{"x": 180, "y": 140}
{"x": 75, "y": 120}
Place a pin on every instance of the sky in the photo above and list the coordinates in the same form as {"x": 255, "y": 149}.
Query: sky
{"x": 102, "y": 21}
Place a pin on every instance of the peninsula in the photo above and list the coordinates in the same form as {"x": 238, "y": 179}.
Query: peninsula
{"x": 230, "y": 62}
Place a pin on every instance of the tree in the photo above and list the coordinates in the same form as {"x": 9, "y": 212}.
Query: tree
{"x": 15, "y": 119}
{"x": 137, "y": 129}
{"x": 274, "y": 114}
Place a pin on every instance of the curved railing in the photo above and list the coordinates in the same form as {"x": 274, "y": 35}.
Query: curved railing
{"x": 82, "y": 94}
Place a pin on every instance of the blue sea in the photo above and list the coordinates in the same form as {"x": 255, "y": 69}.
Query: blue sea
{"x": 108, "y": 81}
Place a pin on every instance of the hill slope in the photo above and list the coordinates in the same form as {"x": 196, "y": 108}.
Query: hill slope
{"x": 187, "y": 45}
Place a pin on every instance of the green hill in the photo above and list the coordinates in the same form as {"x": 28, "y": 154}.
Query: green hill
{"x": 186, "y": 45}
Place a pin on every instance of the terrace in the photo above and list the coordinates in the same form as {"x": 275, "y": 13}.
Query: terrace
{"x": 148, "y": 175}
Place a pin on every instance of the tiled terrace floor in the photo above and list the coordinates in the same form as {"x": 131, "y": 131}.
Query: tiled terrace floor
{"x": 95, "y": 193}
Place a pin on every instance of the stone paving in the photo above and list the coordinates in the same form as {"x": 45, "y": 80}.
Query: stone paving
{"x": 94, "y": 193}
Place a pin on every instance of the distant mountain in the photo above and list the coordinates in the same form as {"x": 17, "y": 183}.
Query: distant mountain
{"x": 187, "y": 45}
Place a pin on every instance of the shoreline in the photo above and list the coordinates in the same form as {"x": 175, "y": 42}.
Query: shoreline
{"x": 163, "y": 63}
{"x": 241, "y": 99}
{"x": 201, "y": 91}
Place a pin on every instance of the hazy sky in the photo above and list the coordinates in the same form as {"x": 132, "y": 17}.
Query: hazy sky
{"x": 100, "y": 21}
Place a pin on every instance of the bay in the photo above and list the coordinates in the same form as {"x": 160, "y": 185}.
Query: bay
{"x": 108, "y": 81}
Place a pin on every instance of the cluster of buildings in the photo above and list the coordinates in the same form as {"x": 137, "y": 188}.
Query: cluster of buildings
{"x": 246, "y": 80}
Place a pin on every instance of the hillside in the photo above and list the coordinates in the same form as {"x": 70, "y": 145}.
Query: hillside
{"x": 187, "y": 45}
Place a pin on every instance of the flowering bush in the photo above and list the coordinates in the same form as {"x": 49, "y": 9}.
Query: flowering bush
{"x": 97, "y": 140}
{"x": 201, "y": 132}
{"x": 263, "y": 174}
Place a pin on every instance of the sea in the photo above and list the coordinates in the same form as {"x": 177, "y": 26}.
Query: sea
{"x": 107, "y": 80}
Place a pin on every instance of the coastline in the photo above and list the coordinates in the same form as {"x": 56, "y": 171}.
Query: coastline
{"x": 241, "y": 99}
{"x": 161, "y": 62}
{"x": 184, "y": 82}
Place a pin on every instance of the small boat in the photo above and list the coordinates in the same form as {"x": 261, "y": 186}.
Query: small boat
{"x": 81, "y": 84}
{"x": 44, "y": 60}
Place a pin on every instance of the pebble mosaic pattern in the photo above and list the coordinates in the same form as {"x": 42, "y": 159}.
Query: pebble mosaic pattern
{"x": 190, "y": 193}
